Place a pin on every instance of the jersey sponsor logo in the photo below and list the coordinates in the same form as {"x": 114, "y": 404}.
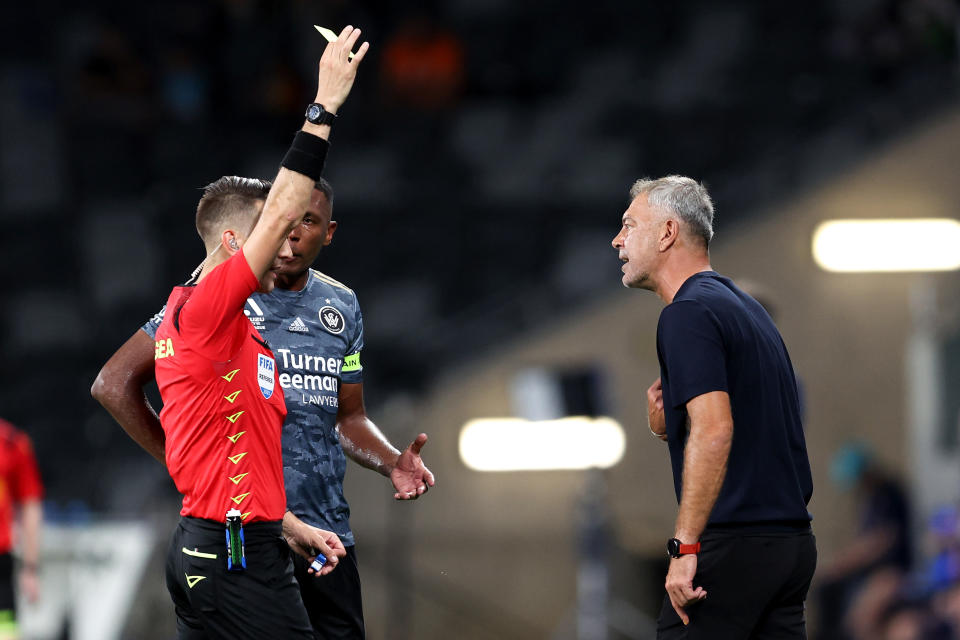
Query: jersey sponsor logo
{"x": 255, "y": 314}
{"x": 332, "y": 320}
{"x": 266, "y": 374}
{"x": 163, "y": 349}
{"x": 319, "y": 374}
{"x": 298, "y": 326}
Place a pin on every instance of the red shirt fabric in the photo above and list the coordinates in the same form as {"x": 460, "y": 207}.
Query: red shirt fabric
{"x": 223, "y": 406}
{"x": 19, "y": 478}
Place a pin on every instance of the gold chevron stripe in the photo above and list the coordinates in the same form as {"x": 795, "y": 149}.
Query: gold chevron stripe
{"x": 193, "y": 580}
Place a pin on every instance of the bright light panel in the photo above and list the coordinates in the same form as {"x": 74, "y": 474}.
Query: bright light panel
{"x": 516, "y": 444}
{"x": 921, "y": 244}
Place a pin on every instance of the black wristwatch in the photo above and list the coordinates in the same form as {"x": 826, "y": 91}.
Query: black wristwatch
{"x": 316, "y": 114}
{"x": 676, "y": 548}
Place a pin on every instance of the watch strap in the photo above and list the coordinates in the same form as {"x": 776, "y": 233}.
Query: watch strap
{"x": 687, "y": 549}
{"x": 324, "y": 116}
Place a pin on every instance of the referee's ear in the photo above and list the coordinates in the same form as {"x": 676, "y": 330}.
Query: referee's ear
{"x": 230, "y": 242}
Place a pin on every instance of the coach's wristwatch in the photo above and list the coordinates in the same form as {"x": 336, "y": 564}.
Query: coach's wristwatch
{"x": 676, "y": 548}
{"x": 316, "y": 114}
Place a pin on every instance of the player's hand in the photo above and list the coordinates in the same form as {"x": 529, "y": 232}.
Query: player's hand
{"x": 337, "y": 71}
{"x": 679, "y": 585}
{"x": 410, "y": 476}
{"x": 308, "y": 541}
{"x": 655, "y": 417}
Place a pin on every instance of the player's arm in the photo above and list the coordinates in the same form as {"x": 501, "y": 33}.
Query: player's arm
{"x": 119, "y": 388}
{"x": 290, "y": 195}
{"x": 367, "y": 446}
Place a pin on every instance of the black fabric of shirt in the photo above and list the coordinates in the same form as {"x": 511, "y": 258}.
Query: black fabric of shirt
{"x": 714, "y": 337}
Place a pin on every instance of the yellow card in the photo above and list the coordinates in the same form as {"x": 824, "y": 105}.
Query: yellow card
{"x": 329, "y": 35}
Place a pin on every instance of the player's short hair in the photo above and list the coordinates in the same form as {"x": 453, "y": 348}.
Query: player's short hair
{"x": 681, "y": 195}
{"x": 325, "y": 188}
{"x": 231, "y": 200}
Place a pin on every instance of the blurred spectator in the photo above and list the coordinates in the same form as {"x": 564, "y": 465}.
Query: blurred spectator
{"x": 184, "y": 85}
{"x": 19, "y": 485}
{"x": 882, "y": 542}
{"x": 113, "y": 87}
{"x": 423, "y": 65}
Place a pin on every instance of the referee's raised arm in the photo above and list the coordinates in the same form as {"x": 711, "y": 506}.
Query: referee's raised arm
{"x": 303, "y": 164}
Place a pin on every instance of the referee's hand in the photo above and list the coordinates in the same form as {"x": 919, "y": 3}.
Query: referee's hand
{"x": 680, "y": 585}
{"x": 307, "y": 541}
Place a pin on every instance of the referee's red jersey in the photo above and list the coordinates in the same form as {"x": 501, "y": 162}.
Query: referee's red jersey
{"x": 19, "y": 478}
{"x": 223, "y": 405}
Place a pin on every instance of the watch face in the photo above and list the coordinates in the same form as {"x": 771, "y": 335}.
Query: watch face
{"x": 313, "y": 112}
{"x": 673, "y": 547}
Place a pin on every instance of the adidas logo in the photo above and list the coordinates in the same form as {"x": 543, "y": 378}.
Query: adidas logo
{"x": 298, "y": 326}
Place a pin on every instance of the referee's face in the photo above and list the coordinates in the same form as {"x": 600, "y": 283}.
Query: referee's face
{"x": 636, "y": 244}
{"x": 308, "y": 238}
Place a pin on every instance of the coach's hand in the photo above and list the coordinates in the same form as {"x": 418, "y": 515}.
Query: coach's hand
{"x": 410, "y": 476}
{"x": 655, "y": 417}
{"x": 308, "y": 541}
{"x": 337, "y": 70}
{"x": 680, "y": 585}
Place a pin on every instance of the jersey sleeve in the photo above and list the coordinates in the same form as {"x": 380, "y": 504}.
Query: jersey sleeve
{"x": 150, "y": 326}
{"x": 692, "y": 350}
{"x": 25, "y": 481}
{"x": 352, "y": 367}
{"x": 208, "y": 318}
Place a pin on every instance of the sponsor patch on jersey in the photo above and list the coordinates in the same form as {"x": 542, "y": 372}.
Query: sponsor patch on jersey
{"x": 266, "y": 374}
{"x": 332, "y": 320}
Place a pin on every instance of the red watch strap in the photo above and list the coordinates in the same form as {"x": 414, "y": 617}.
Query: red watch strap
{"x": 686, "y": 549}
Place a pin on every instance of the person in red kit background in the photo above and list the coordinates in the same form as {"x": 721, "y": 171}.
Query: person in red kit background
{"x": 20, "y": 486}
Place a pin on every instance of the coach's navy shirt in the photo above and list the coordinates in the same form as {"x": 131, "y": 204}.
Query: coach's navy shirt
{"x": 714, "y": 337}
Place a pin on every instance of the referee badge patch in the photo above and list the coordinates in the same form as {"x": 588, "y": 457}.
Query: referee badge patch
{"x": 332, "y": 320}
{"x": 266, "y": 374}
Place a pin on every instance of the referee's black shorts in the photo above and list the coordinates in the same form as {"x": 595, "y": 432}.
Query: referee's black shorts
{"x": 261, "y": 602}
{"x": 756, "y": 585}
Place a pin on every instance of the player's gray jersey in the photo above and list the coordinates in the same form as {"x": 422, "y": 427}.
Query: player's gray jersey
{"x": 316, "y": 336}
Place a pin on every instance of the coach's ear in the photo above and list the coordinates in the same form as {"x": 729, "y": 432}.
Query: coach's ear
{"x": 669, "y": 232}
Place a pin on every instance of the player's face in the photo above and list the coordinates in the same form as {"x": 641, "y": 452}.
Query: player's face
{"x": 309, "y": 237}
{"x": 636, "y": 243}
{"x": 269, "y": 279}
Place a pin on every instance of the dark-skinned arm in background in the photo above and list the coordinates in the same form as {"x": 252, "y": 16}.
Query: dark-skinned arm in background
{"x": 367, "y": 446}
{"x": 119, "y": 388}
{"x": 704, "y": 468}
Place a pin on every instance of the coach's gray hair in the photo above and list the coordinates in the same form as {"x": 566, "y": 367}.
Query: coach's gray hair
{"x": 684, "y": 196}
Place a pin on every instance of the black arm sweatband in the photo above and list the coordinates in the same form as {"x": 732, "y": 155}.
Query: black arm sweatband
{"x": 306, "y": 155}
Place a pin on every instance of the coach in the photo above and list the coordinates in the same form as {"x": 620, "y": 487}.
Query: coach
{"x": 742, "y": 552}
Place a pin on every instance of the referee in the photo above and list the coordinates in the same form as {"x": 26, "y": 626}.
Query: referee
{"x": 742, "y": 552}
{"x": 224, "y": 407}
